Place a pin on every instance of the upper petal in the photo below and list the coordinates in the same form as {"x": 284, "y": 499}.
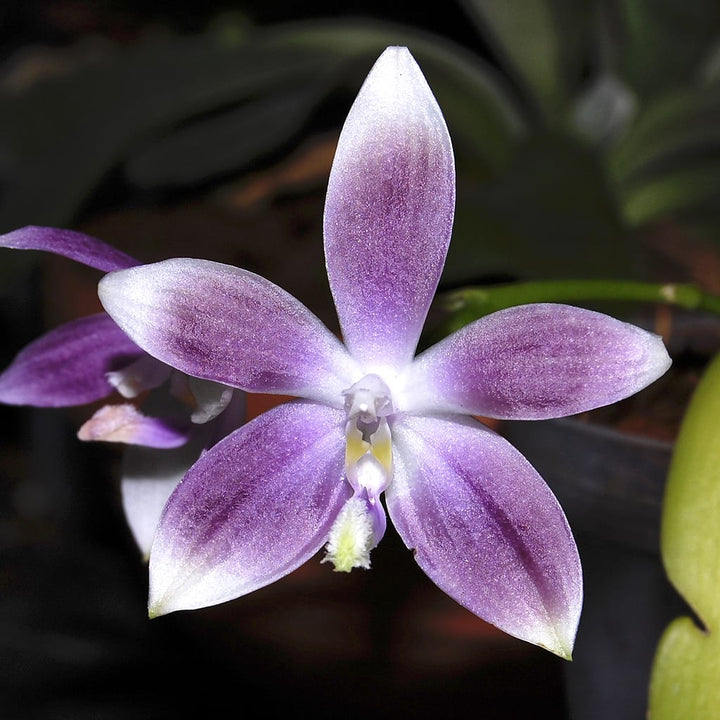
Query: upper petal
{"x": 251, "y": 510}
{"x": 533, "y": 362}
{"x": 221, "y": 323}
{"x": 70, "y": 244}
{"x": 69, "y": 365}
{"x": 389, "y": 212}
{"x": 486, "y": 528}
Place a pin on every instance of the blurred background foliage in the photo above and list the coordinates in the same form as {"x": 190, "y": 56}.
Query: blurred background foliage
{"x": 587, "y": 132}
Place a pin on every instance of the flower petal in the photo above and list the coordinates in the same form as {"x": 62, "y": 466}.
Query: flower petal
{"x": 146, "y": 373}
{"x": 70, "y": 244}
{"x": 126, "y": 424}
{"x": 149, "y": 476}
{"x": 211, "y": 399}
{"x": 389, "y": 212}
{"x": 220, "y": 323}
{"x": 533, "y": 362}
{"x": 486, "y": 528}
{"x": 69, "y": 365}
{"x": 251, "y": 510}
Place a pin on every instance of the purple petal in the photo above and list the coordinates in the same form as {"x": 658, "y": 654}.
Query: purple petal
{"x": 533, "y": 362}
{"x": 68, "y": 366}
{"x": 70, "y": 244}
{"x": 486, "y": 528}
{"x": 150, "y": 475}
{"x": 126, "y": 424}
{"x": 389, "y": 212}
{"x": 252, "y": 509}
{"x": 221, "y": 323}
{"x": 148, "y": 478}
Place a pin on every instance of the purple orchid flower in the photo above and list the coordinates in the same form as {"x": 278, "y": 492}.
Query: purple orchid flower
{"x": 370, "y": 418}
{"x": 89, "y": 359}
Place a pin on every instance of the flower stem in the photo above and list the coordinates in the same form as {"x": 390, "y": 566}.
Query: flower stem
{"x": 460, "y": 307}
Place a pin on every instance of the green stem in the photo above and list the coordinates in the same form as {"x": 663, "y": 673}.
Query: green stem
{"x": 467, "y": 304}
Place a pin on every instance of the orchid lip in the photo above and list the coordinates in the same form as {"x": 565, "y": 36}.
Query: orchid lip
{"x": 361, "y": 523}
{"x": 368, "y": 440}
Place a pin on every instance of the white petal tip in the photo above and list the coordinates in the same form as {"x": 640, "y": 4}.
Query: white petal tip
{"x": 163, "y": 605}
{"x": 561, "y": 649}
{"x": 558, "y": 639}
{"x": 155, "y": 611}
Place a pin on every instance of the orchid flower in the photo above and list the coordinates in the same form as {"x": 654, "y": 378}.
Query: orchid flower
{"x": 91, "y": 358}
{"x": 369, "y": 418}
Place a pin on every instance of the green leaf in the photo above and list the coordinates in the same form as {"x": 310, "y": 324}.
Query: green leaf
{"x": 540, "y": 42}
{"x": 551, "y": 215}
{"x": 690, "y": 540}
{"x": 681, "y": 123}
{"x": 684, "y": 681}
{"x": 202, "y": 150}
{"x": 661, "y": 42}
{"x": 60, "y": 138}
{"x": 677, "y": 192}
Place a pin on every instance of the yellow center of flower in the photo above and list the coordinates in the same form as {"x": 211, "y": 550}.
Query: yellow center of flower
{"x": 368, "y": 468}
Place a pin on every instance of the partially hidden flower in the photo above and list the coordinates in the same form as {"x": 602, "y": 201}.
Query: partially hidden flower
{"x": 91, "y": 358}
{"x": 370, "y": 419}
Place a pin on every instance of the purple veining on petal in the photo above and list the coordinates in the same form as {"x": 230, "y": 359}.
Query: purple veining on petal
{"x": 149, "y": 477}
{"x": 252, "y": 509}
{"x": 533, "y": 362}
{"x": 68, "y": 366}
{"x": 70, "y": 244}
{"x": 486, "y": 528}
{"x": 221, "y": 323}
{"x": 124, "y": 423}
{"x": 389, "y": 212}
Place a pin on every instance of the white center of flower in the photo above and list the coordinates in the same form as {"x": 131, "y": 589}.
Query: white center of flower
{"x": 368, "y": 468}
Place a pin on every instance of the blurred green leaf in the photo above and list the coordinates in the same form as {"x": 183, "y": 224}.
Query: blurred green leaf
{"x": 210, "y": 147}
{"x": 677, "y": 192}
{"x": 684, "y": 681}
{"x": 540, "y": 42}
{"x": 681, "y": 123}
{"x": 660, "y": 43}
{"x": 60, "y": 137}
{"x": 551, "y": 215}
